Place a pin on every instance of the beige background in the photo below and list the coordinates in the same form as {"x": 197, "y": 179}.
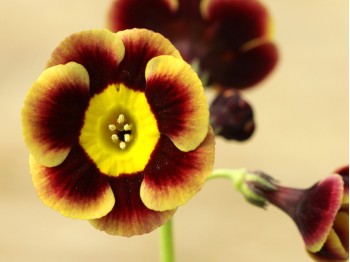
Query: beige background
{"x": 302, "y": 117}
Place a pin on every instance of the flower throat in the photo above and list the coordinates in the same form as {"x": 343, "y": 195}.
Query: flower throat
{"x": 121, "y": 132}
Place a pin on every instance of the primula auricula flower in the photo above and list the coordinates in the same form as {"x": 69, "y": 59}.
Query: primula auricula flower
{"x": 320, "y": 212}
{"x": 231, "y": 39}
{"x": 117, "y": 127}
{"x": 231, "y": 116}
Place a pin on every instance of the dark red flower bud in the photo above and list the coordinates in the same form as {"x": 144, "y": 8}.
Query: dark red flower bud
{"x": 231, "y": 117}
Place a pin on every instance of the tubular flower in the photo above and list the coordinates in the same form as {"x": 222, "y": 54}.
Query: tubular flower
{"x": 320, "y": 212}
{"x": 231, "y": 39}
{"x": 117, "y": 127}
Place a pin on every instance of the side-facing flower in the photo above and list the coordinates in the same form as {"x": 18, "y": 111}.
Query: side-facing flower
{"x": 117, "y": 127}
{"x": 320, "y": 212}
{"x": 231, "y": 39}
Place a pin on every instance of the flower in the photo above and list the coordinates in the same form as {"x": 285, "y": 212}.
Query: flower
{"x": 231, "y": 39}
{"x": 231, "y": 117}
{"x": 320, "y": 212}
{"x": 118, "y": 130}
{"x": 336, "y": 246}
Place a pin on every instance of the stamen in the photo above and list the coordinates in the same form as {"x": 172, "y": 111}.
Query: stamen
{"x": 122, "y": 145}
{"x": 114, "y": 138}
{"x": 127, "y": 138}
{"x": 112, "y": 127}
{"x": 121, "y": 119}
{"x": 121, "y": 131}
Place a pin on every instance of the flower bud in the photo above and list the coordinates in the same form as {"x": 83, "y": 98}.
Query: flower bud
{"x": 231, "y": 117}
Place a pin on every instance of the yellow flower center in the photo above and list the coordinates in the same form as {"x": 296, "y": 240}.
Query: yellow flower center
{"x": 120, "y": 131}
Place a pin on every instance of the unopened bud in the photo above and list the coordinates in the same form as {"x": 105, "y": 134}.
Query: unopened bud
{"x": 231, "y": 117}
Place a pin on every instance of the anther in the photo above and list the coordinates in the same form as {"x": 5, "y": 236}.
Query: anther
{"x": 121, "y": 119}
{"x": 122, "y": 145}
{"x": 112, "y": 127}
{"x": 127, "y": 138}
{"x": 114, "y": 138}
{"x": 127, "y": 127}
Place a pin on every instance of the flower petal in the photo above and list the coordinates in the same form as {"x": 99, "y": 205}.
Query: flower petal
{"x": 99, "y": 51}
{"x": 319, "y": 207}
{"x": 337, "y": 243}
{"x": 172, "y": 177}
{"x": 150, "y": 14}
{"x": 177, "y": 99}
{"x": 75, "y": 188}
{"x": 240, "y": 52}
{"x": 241, "y": 68}
{"x": 341, "y": 228}
{"x": 129, "y": 215}
{"x": 53, "y": 112}
{"x": 344, "y": 172}
{"x": 141, "y": 45}
{"x": 333, "y": 248}
{"x": 179, "y": 21}
{"x": 238, "y": 21}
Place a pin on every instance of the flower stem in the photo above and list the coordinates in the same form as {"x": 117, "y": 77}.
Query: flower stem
{"x": 235, "y": 175}
{"x": 251, "y": 185}
{"x": 166, "y": 243}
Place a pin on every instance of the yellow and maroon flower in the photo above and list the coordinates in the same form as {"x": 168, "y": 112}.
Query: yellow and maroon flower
{"x": 118, "y": 130}
{"x": 231, "y": 39}
{"x": 320, "y": 212}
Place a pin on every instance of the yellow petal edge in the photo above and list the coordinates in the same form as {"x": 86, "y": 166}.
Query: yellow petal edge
{"x": 46, "y": 83}
{"x": 196, "y": 128}
{"x": 83, "y": 210}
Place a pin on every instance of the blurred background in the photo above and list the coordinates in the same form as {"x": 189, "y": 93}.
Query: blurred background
{"x": 301, "y": 112}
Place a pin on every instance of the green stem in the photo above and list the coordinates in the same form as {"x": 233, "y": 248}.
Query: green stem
{"x": 246, "y": 182}
{"x": 166, "y": 243}
{"x": 235, "y": 175}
